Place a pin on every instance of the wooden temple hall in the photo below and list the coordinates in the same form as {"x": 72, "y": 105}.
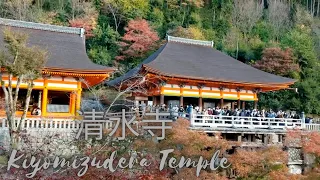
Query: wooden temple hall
{"x": 188, "y": 71}
{"x": 67, "y": 72}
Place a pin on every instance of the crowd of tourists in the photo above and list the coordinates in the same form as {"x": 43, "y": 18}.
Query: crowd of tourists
{"x": 226, "y": 111}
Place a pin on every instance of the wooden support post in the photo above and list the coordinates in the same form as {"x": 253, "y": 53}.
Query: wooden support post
{"x": 280, "y": 138}
{"x": 40, "y": 99}
{"x": 78, "y": 98}
{"x": 249, "y": 138}
{"x": 255, "y": 104}
{"x": 44, "y": 98}
{"x": 239, "y": 138}
{"x": 161, "y": 99}
{"x": 73, "y": 103}
{"x": 243, "y": 105}
{"x": 254, "y": 138}
{"x": 161, "y": 95}
{"x": 232, "y": 106}
{"x": 238, "y": 103}
{"x": 200, "y": 103}
{"x": 221, "y": 95}
{"x": 265, "y": 139}
{"x": 181, "y": 100}
{"x": 154, "y": 100}
{"x": 221, "y": 103}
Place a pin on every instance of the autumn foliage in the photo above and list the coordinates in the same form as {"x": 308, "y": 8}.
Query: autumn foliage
{"x": 256, "y": 163}
{"x": 138, "y": 39}
{"x": 88, "y": 24}
{"x": 192, "y": 143}
{"x": 277, "y": 61}
{"x": 309, "y": 141}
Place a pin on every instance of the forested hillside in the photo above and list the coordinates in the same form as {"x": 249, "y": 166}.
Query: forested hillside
{"x": 277, "y": 36}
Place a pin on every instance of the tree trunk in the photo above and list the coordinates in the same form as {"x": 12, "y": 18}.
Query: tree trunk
{"x": 114, "y": 16}
{"x": 10, "y": 93}
{"x": 7, "y": 107}
{"x": 184, "y": 14}
{"x": 237, "y": 47}
{"x": 16, "y": 95}
{"x": 313, "y": 6}
{"x": 318, "y": 8}
{"x": 27, "y": 102}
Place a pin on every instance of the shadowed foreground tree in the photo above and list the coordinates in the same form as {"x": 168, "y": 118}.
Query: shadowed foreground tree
{"x": 24, "y": 65}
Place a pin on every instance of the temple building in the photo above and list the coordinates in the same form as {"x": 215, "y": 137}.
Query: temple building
{"x": 67, "y": 71}
{"x": 185, "y": 71}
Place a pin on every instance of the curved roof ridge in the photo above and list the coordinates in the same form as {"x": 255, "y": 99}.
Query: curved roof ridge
{"x": 66, "y": 50}
{"x": 135, "y": 70}
{"x": 189, "y": 41}
{"x": 191, "y": 61}
{"x": 41, "y": 26}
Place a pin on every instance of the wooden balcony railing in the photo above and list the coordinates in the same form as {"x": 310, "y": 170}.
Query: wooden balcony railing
{"x": 219, "y": 121}
{"x": 196, "y": 121}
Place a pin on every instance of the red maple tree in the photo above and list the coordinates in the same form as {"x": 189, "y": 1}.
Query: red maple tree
{"x": 138, "y": 39}
{"x": 277, "y": 61}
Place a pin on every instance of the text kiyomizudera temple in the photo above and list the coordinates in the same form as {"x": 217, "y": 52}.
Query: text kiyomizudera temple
{"x": 186, "y": 71}
{"x": 67, "y": 71}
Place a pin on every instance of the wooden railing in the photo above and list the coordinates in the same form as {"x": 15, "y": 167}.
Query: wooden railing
{"x": 219, "y": 121}
{"x": 313, "y": 127}
{"x": 196, "y": 120}
{"x": 37, "y": 123}
{"x": 92, "y": 117}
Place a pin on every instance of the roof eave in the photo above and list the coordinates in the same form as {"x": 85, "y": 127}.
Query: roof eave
{"x": 84, "y": 71}
{"x": 152, "y": 70}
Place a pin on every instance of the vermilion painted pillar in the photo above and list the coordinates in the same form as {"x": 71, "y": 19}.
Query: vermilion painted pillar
{"x": 44, "y": 98}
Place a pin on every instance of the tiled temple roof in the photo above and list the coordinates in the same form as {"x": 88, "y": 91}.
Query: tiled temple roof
{"x": 65, "y": 45}
{"x": 192, "y": 59}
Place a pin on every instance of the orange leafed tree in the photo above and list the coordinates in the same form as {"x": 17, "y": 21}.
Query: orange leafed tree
{"x": 277, "y": 61}
{"x": 192, "y": 143}
{"x": 259, "y": 163}
{"x": 88, "y": 24}
{"x": 309, "y": 141}
{"x": 138, "y": 39}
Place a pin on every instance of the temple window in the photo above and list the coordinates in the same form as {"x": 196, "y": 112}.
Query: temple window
{"x": 58, "y": 102}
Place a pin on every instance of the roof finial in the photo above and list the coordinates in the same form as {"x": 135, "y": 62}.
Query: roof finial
{"x": 189, "y": 41}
